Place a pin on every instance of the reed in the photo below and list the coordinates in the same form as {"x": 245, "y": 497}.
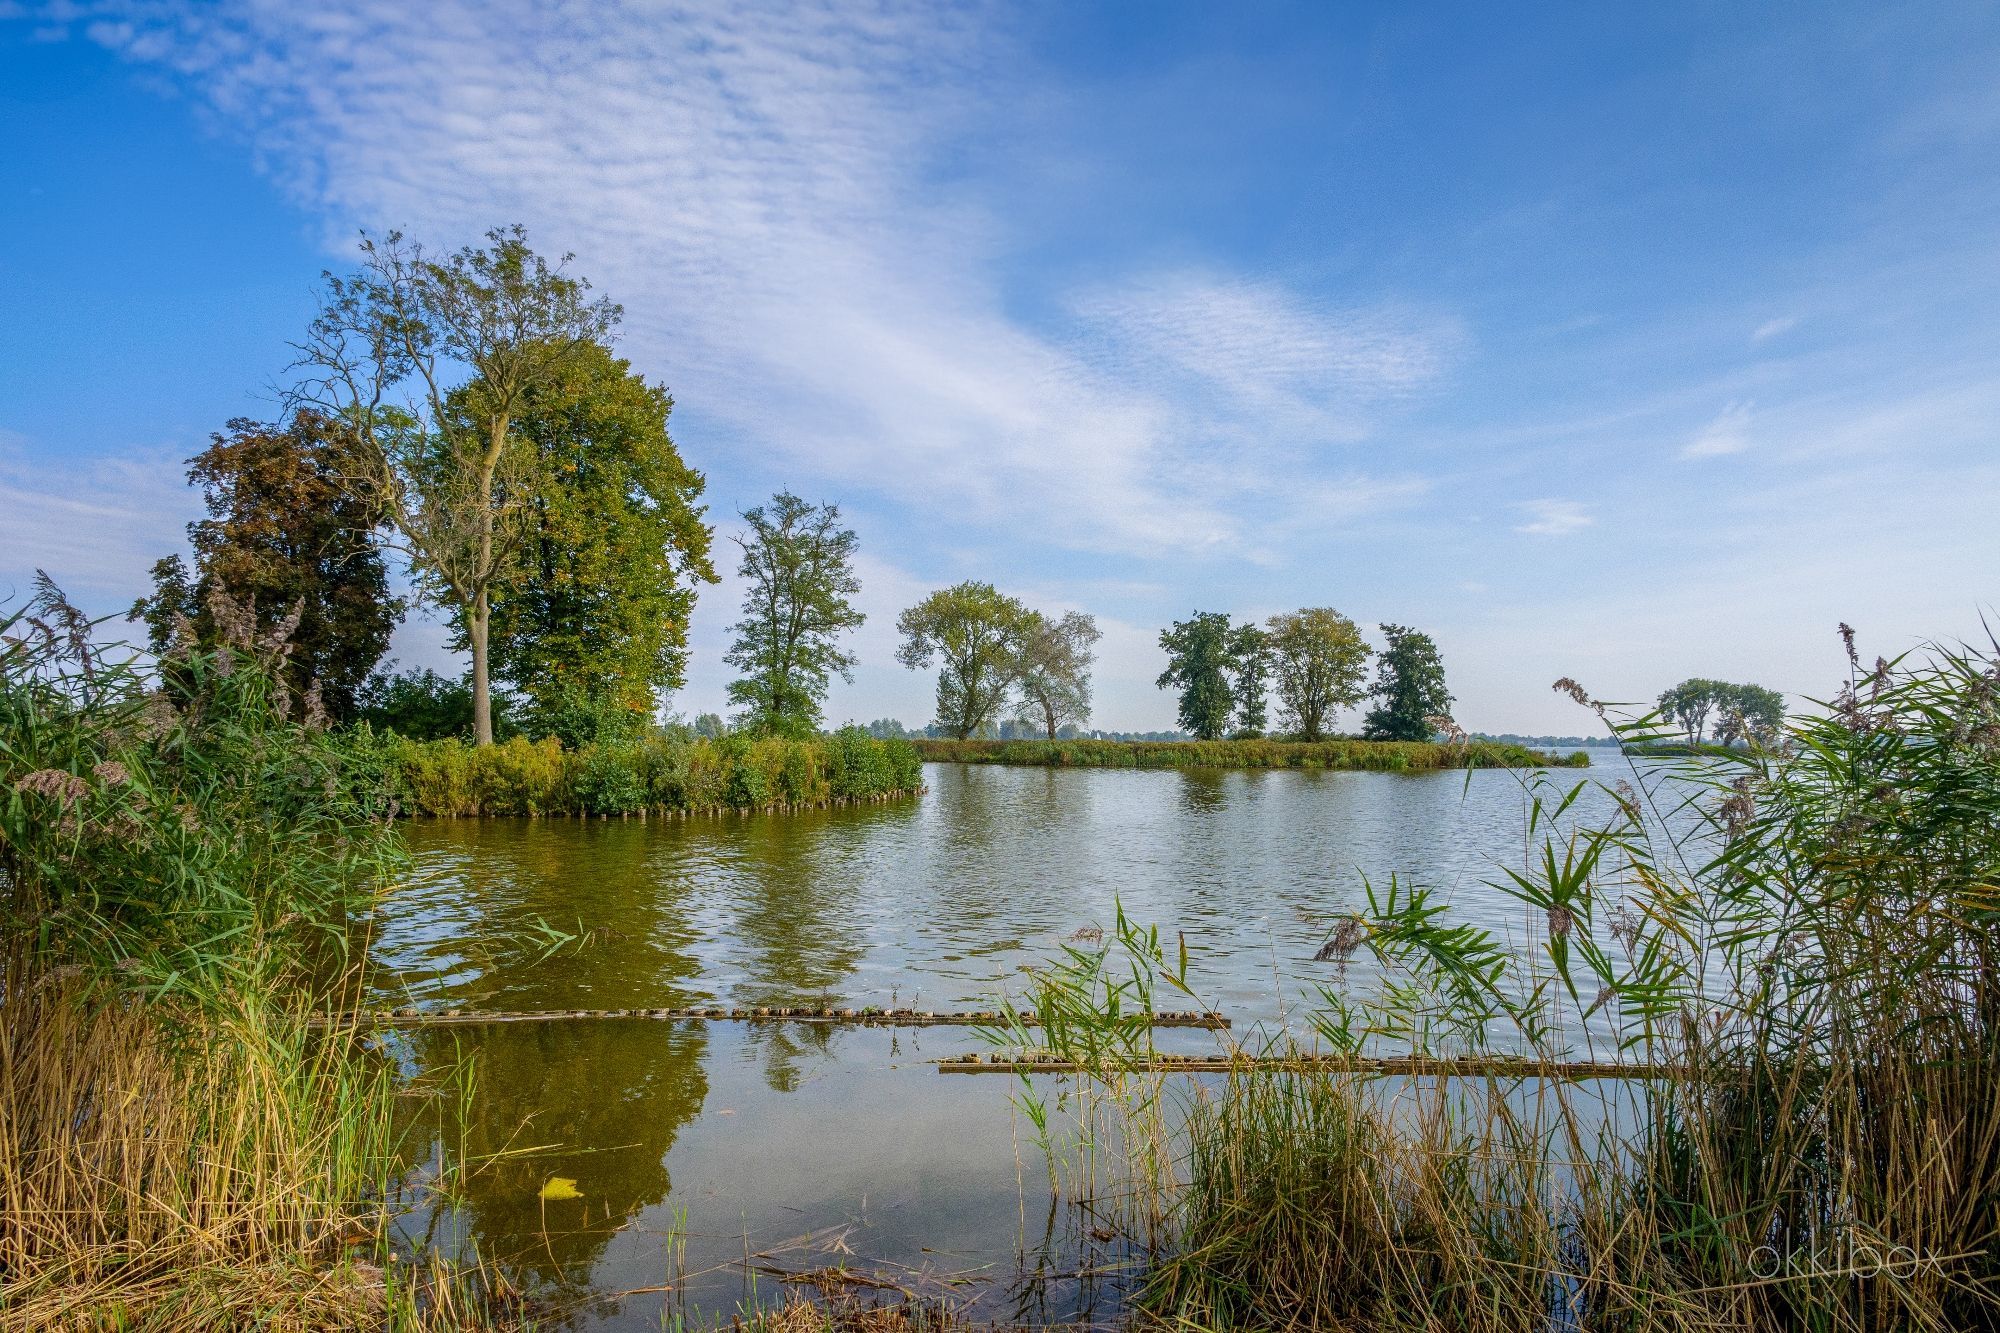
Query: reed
{"x": 1800, "y": 936}
{"x": 182, "y": 855}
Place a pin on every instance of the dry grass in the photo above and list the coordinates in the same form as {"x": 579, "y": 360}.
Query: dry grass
{"x": 220, "y": 1175}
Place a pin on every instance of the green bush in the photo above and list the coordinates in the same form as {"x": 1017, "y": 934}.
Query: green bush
{"x": 658, "y": 772}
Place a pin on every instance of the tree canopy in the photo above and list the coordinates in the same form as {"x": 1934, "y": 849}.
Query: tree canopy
{"x": 451, "y": 475}
{"x": 590, "y": 606}
{"x": 1199, "y": 662}
{"x": 1319, "y": 661}
{"x": 799, "y": 565}
{"x": 285, "y": 533}
{"x": 976, "y": 635}
{"x": 1740, "y": 712}
{"x": 1409, "y": 681}
{"x": 1250, "y": 658}
{"x": 1056, "y": 656}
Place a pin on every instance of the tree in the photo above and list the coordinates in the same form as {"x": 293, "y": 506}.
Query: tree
{"x": 285, "y": 534}
{"x": 1319, "y": 661}
{"x": 1750, "y": 713}
{"x": 1689, "y": 704}
{"x": 976, "y": 634}
{"x": 1199, "y": 660}
{"x": 422, "y": 705}
{"x": 1741, "y": 712}
{"x": 1056, "y": 657}
{"x": 1250, "y": 655}
{"x": 590, "y": 606}
{"x": 1409, "y": 680}
{"x": 449, "y": 471}
{"x": 799, "y": 564}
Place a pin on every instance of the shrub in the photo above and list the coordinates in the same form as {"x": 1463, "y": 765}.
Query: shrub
{"x": 659, "y": 772}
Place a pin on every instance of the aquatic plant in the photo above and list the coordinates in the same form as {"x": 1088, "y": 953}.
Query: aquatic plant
{"x": 1791, "y": 942}
{"x": 181, "y": 855}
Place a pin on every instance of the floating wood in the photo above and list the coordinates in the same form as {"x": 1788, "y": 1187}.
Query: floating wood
{"x": 999, "y": 1062}
{"x": 407, "y": 1017}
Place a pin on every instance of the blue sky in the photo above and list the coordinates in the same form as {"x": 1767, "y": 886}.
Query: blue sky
{"x": 1625, "y": 343}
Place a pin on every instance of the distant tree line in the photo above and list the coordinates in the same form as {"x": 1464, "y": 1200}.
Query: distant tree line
{"x": 465, "y": 412}
{"x": 1316, "y": 663}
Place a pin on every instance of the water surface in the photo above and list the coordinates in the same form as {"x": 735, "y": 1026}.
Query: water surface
{"x": 711, "y": 1156}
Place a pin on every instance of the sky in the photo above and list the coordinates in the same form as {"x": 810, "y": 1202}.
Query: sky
{"x": 1624, "y": 343}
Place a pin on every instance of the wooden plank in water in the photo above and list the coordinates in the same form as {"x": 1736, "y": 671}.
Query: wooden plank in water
{"x": 1463, "y": 1067}
{"x": 408, "y": 1017}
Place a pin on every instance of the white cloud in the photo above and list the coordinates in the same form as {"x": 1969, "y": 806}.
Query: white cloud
{"x": 96, "y": 527}
{"x": 1728, "y": 433}
{"x": 752, "y": 185}
{"x": 1553, "y": 518}
{"x": 1771, "y": 328}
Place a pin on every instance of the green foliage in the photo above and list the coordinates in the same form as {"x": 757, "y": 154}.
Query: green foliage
{"x": 590, "y": 608}
{"x": 799, "y": 566}
{"x": 1740, "y": 712}
{"x": 656, "y": 773}
{"x": 445, "y": 465}
{"x": 423, "y": 706}
{"x": 1199, "y": 660}
{"x": 1250, "y": 653}
{"x": 1409, "y": 680}
{"x": 1373, "y": 756}
{"x": 289, "y": 536}
{"x": 186, "y": 836}
{"x": 1801, "y": 934}
{"x": 1318, "y": 658}
{"x": 1056, "y": 656}
{"x": 976, "y": 634}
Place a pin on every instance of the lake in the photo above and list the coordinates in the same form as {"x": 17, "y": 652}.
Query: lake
{"x": 713, "y": 1158}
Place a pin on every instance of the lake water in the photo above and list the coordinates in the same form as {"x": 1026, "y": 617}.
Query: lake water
{"x": 712, "y": 1157}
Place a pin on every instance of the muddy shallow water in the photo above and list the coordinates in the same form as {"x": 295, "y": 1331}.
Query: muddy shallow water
{"x": 711, "y": 1157}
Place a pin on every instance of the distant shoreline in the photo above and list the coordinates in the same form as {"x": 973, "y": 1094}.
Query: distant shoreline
{"x": 1334, "y": 755}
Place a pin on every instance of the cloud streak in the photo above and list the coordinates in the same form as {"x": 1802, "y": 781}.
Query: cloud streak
{"x": 754, "y": 186}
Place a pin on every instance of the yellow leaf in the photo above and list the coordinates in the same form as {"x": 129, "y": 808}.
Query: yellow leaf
{"x": 561, "y": 1187}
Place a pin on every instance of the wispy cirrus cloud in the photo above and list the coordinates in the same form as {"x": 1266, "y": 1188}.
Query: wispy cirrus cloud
{"x": 1553, "y": 518}
{"x": 97, "y": 526}
{"x": 754, "y": 185}
{"x": 1728, "y": 432}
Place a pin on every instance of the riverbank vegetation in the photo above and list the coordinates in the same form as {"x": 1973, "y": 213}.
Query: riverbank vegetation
{"x": 181, "y": 857}
{"x": 1349, "y": 755}
{"x": 656, "y": 774}
{"x": 1801, "y": 935}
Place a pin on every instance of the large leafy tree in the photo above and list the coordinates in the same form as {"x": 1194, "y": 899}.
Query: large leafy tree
{"x": 1409, "y": 681}
{"x": 1689, "y": 704}
{"x": 1056, "y": 657}
{"x": 443, "y": 460}
{"x": 1740, "y": 712}
{"x": 285, "y": 535}
{"x": 590, "y": 607}
{"x": 1199, "y": 662}
{"x": 1750, "y": 712}
{"x": 1319, "y": 661}
{"x": 798, "y": 562}
{"x": 976, "y": 635}
{"x": 1250, "y": 670}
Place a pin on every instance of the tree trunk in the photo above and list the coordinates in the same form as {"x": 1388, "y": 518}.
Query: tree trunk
{"x": 482, "y": 694}
{"x": 1049, "y": 719}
